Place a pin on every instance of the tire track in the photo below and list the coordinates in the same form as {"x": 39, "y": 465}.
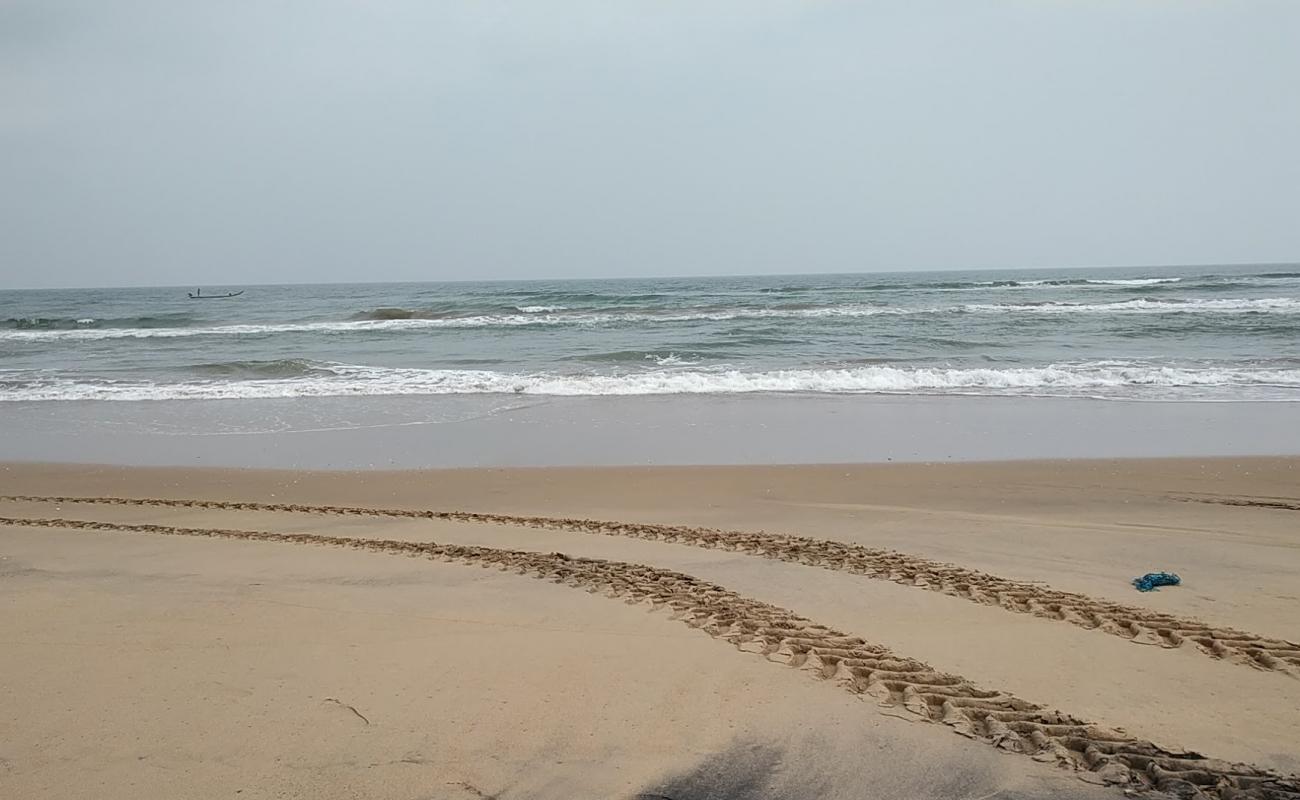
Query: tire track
{"x": 910, "y": 687}
{"x": 1278, "y": 503}
{"x": 1139, "y": 625}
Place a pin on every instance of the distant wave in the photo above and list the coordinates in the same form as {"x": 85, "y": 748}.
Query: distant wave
{"x": 1133, "y": 282}
{"x": 1264, "y": 305}
{"x": 1269, "y": 305}
{"x": 639, "y": 357}
{"x": 276, "y": 368}
{"x": 387, "y": 314}
{"x": 1006, "y": 283}
{"x": 1045, "y": 282}
{"x": 151, "y": 322}
{"x": 539, "y": 309}
{"x": 327, "y": 327}
{"x": 1099, "y": 379}
{"x": 393, "y": 313}
{"x": 1085, "y": 282}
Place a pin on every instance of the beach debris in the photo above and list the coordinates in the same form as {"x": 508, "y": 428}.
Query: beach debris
{"x": 1149, "y": 581}
{"x": 353, "y": 709}
{"x": 472, "y": 789}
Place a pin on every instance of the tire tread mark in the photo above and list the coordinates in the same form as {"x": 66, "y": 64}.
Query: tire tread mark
{"x": 913, "y": 688}
{"x": 1139, "y": 625}
{"x": 1280, "y": 504}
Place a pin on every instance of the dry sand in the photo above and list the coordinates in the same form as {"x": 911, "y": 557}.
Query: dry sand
{"x": 139, "y": 665}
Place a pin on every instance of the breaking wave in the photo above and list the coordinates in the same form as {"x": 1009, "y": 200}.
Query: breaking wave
{"x": 397, "y": 320}
{"x": 1100, "y": 379}
{"x": 386, "y": 314}
{"x": 1045, "y": 282}
{"x": 1263, "y": 305}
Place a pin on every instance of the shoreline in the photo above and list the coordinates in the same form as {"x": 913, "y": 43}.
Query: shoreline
{"x": 473, "y": 431}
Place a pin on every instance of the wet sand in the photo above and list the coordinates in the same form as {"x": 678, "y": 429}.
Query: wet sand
{"x": 137, "y": 660}
{"x": 519, "y": 430}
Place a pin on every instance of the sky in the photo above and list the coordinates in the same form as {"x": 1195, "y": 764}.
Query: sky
{"x": 263, "y": 141}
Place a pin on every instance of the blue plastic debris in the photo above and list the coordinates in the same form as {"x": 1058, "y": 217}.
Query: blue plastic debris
{"x": 1151, "y": 580}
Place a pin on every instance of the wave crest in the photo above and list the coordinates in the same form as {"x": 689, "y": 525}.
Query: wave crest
{"x": 1097, "y": 379}
{"x": 386, "y": 314}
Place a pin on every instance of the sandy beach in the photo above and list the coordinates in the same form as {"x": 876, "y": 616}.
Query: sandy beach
{"x": 649, "y": 401}
{"x": 259, "y": 633}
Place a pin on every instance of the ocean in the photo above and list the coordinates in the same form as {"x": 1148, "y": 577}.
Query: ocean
{"x": 1187, "y": 334}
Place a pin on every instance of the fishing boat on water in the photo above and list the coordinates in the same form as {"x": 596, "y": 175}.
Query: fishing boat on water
{"x": 198, "y": 294}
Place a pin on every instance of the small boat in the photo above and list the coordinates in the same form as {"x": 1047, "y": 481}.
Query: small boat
{"x": 199, "y": 295}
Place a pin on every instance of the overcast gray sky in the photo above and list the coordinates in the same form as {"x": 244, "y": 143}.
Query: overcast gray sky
{"x": 322, "y": 140}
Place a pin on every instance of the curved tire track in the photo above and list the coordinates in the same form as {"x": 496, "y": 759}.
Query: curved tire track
{"x": 1139, "y": 625}
{"x": 912, "y": 687}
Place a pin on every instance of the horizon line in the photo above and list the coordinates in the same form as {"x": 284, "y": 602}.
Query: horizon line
{"x": 710, "y": 276}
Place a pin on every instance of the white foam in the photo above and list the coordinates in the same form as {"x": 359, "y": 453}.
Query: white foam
{"x": 1065, "y": 283}
{"x": 670, "y": 360}
{"x": 1106, "y": 379}
{"x": 1133, "y": 281}
{"x": 1265, "y": 305}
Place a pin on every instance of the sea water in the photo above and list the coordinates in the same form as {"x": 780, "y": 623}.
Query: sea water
{"x": 1186, "y": 334}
